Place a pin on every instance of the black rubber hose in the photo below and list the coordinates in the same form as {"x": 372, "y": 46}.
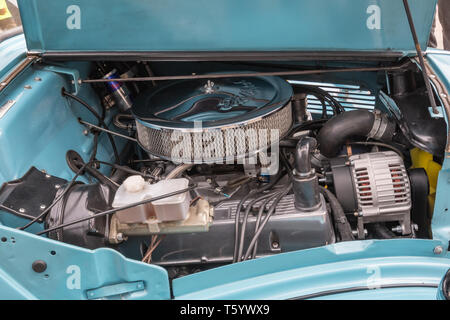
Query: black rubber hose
{"x": 102, "y": 178}
{"x": 340, "y": 220}
{"x": 338, "y": 130}
{"x": 99, "y": 118}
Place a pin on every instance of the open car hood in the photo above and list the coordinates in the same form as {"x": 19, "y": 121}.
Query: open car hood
{"x": 201, "y": 28}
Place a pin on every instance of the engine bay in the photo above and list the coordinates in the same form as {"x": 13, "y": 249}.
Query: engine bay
{"x": 229, "y": 166}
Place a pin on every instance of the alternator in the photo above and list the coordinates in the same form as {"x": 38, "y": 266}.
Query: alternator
{"x": 381, "y": 184}
{"x": 375, "y": 187}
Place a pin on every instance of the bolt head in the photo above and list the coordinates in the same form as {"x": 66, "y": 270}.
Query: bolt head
{"x": 119, "y": 237}
{"x": 22, "y": 210}
{"x": 438, "y": 250}
{"x": 43, "y": 206}
{"x": 39, "y": 266}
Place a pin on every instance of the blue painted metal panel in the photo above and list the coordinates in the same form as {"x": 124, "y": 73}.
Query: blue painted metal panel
{"x": 71, "y": 271}
{"x": 440, "y": 62}
{"x": 37, "y": 131}
{"x": 217, "y": 25}
{"x": 12, "y": 51}
{"x": 26, "y": 142}
{"x": 42, "y": 125}
{"x": 342, "y": 265}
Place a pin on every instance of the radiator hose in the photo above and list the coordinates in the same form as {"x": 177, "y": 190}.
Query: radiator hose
{"x": 352, "y": 124}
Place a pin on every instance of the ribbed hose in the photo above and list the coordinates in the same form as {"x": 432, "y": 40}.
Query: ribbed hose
{"x": 345, "y": 126}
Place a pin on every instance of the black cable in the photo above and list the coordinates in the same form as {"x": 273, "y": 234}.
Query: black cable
{"x": 128, "y": 170}
{"x": 79, "y": 172}
{"x": 237, "y": 256}
{"x": 239, "y": 208}
{"x": 258, "y": 221}
{"x": 236, "y": 223}
{"x": 333, "y": 102}
{"x": 289, "y": 170}
{"x": 101, "y": 121}
{"x": 324, "y": 107}
{"x": 266, "y": 219}
{"x": 321, "y": 95}
{"x": 286, "y": 164}
{"x": 244, "y": 223}
{"x": 95, "y": 147}
{"x": 114, "y": 210}
{"x": 340, "y": 220}
{"x": 307, "y": 125}
{"x": 96, "y": 136}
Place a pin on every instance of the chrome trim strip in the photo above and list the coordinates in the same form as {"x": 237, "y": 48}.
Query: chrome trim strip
{"x": 22, "y": 66}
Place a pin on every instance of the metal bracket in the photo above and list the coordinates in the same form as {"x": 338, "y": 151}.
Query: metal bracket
{"x": 73, "y": 73}
{"x": 115, "y": 290}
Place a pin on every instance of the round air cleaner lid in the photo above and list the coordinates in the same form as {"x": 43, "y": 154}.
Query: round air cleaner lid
{"x": 217, "y": 102}
{"x": 235, "y": 116}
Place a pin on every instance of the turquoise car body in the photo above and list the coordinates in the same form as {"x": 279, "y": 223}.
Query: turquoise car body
{"x": 48, "y": 126}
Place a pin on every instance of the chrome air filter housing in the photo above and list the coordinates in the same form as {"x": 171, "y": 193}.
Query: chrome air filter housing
{"x": 213, "y": 120}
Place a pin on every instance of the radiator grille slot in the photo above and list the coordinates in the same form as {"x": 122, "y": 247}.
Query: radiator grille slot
{"x": 351, "y": 97}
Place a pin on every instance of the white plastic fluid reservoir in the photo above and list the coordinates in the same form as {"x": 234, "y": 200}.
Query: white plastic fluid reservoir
{"x": 172, "y": 208}
{"x": 133, "y": 189}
